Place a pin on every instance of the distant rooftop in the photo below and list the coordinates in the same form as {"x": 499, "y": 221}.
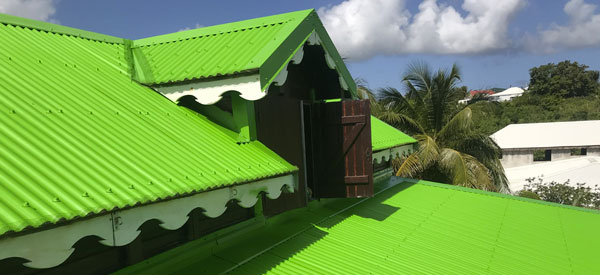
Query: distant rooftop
{"x": 575, "y": 170}
{"x": 510, "y": 91}
{"x": 550, "y": 134}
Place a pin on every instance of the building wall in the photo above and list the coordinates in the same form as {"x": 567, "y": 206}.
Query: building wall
{"x": 520, "y": 157}
{"x": 513, "y": 158}
{"x": 593, "y": 151}
{"x": 558, "y": 154}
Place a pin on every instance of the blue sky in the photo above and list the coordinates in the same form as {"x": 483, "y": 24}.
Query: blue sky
{"x": 495, "y": 42}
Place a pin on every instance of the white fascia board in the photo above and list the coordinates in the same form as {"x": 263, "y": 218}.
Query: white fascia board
{"x": 51, "y": 247}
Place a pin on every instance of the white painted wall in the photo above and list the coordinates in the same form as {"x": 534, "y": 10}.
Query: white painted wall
{"x": 516, "y": 158}
{"x": 558, "y": 154}
{"x": 521, "y": 157}
{"x": 593, "y": 152}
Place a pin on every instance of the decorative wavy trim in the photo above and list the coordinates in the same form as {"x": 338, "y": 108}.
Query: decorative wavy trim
{"x": 314, "y": 39}
{"x": 49, "y": 248}
{"x": 390, "y": 153}
{"x": 210, "y": 92}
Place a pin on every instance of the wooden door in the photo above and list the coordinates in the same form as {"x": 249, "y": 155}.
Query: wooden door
{"x": 343, "y": 150}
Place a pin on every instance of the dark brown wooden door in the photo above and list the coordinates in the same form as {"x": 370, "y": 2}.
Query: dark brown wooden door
{"x": 342, "y": 159}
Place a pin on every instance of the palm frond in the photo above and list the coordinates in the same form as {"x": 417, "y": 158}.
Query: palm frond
{"x": 458, "y": 125}
{"x": 465, "y": 170}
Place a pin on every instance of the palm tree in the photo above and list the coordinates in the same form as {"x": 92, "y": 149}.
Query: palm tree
{"x": 449, "y": 150}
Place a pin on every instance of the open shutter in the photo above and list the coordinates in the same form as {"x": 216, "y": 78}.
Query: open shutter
{"x": 343, "y": 161}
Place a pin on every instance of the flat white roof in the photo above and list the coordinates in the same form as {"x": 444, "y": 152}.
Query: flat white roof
{"x": 551, "y": 134}
{"x": 576, "y": 170}
{"x": 509, "y": 91}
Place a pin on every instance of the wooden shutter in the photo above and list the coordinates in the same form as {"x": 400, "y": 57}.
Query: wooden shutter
{"x": 343, "y": 161}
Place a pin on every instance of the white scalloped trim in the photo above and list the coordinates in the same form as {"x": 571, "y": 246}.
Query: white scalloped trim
{"x": 49, "y": 248}
{"x": 209, "y": 92}
{"x": 314, "y": 39}
{"x": 387, "y": 154}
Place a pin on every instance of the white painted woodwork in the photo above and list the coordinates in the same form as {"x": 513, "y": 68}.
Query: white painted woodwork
{"x": 51, "y": 247}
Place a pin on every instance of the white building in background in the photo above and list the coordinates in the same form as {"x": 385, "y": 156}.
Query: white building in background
{"x": 574, "y": 170}
{"x": 565, "y": 151}
{"x": 552, "y": 140}
{"x": 507, "y": 94}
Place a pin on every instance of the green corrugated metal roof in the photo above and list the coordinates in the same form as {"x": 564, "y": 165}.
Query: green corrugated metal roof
{"x": 261, "y": 45}
{"x": 385, "y": 136}
{"x": 411, "y": 228}
{"x": 78, "y": 136}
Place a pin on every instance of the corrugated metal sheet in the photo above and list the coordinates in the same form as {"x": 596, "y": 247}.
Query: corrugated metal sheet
{"x": 429, "y": 228}
{"x": 78, "y": 136}
{"x": 385, "y": 136}
{"x": 219, "y": 50}
{"x": 411, "y": 228}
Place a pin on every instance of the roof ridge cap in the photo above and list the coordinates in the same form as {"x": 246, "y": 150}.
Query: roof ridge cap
{"x": 501, "y": 195}
{"x": 218, "y": 29}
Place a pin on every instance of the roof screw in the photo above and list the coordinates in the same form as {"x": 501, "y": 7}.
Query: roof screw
{"x": 56, "y": 199}
{"x": 85, "y": 194}
{"x": 60, "y": 111}
{"x": 201, "y": 174}
{"x": 91, "y": 113}
{"x": 9, "y": 58}
{"x": 215, "y": 172}
{"x": 109, "y": 190}
{"x": 13, "y": 111}
{"x": 170, "y": 179}
{"x": 131, "y": 186}
{"x": 187, "y": 178}
{"x": 26, "y": 204}
{"x": 150, "y": 182}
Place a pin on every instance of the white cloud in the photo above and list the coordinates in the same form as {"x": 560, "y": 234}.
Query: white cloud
{"x": 197, "y": 26}
{"x": 583, "y": 29}
{"x": 364, "y": 28}
{"x": 33, "y": 9}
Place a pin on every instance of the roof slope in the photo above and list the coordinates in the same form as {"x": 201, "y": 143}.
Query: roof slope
{"x": 385, "y": 136}
{"x": 78, "y": 136}
{"x": 262, "y": 45}
{"x": 549, "y": 134}
{"x": 411, "y": 228}
{"x": 432, "y": 228}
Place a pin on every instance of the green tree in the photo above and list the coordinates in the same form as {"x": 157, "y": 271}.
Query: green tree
{"x": 449, "y": 150}
{"x": 564, "y": 193}
{"x": 565, "y": 79}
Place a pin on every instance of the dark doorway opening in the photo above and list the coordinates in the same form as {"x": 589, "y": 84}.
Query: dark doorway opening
{"x": 308, "y": 130}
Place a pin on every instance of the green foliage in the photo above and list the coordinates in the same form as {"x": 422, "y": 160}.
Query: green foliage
{"x": 529, "y": 194}
{"x": 564, "y": 79}
{"x": 449, "y": 150}
{"x": 490, "y": 117}
{"x": 579, "y": 195}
